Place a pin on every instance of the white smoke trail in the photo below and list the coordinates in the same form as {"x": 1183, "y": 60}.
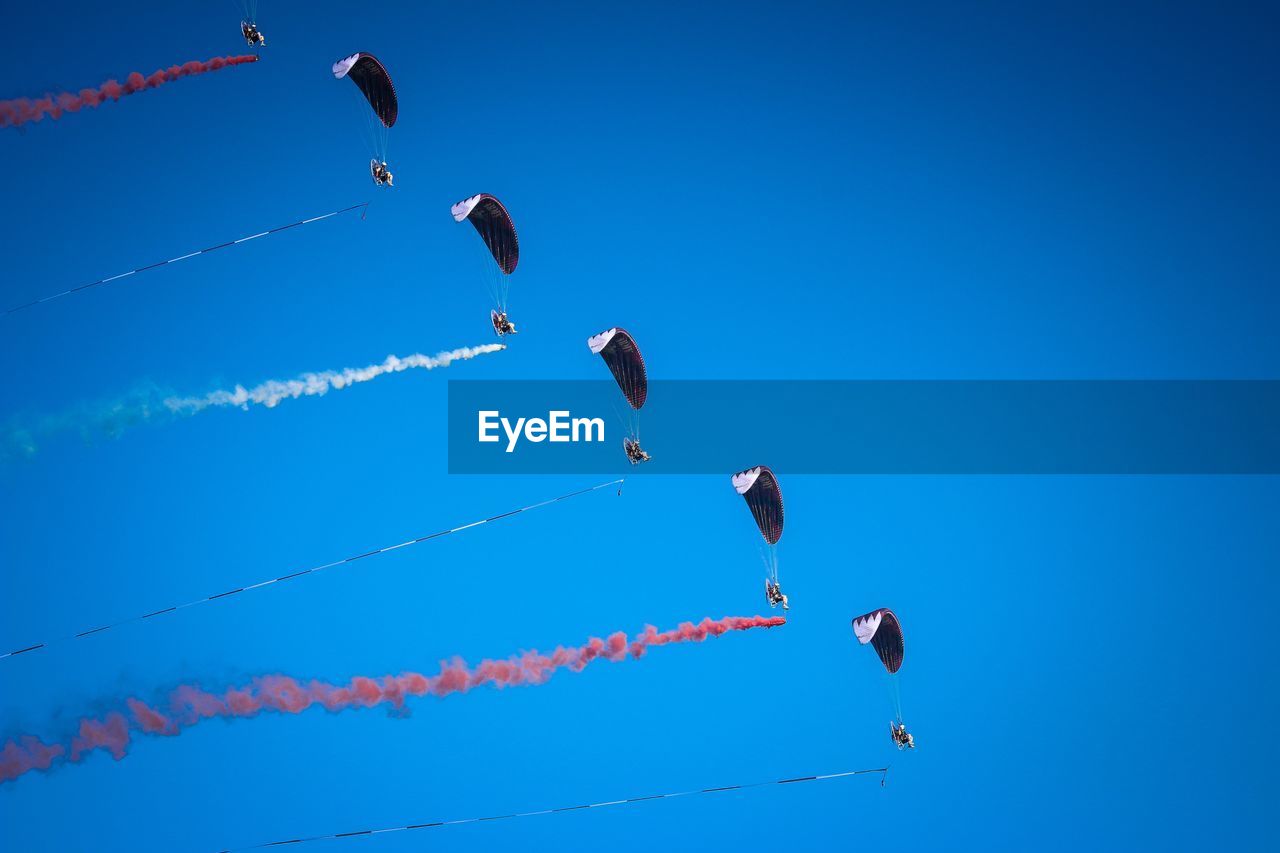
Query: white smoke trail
{"x": 20, "y": 436}
{"x": 273, "y": 391}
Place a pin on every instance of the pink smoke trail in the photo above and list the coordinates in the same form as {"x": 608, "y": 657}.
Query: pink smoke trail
{"x": 19, "y": 111}
{"x": 188, "y": 704}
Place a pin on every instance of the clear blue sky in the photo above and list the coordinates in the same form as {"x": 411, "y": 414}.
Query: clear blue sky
{"x": 830, "y": 191}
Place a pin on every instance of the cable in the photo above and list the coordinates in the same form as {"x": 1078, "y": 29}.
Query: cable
{"x": 313, "y": 570}
{"x": 884, "y": 771}
{"x": 54, "y": 296}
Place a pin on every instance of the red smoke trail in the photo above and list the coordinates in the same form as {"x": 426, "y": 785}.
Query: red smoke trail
{"x": 19, "y": 111}
{"x": 189, "y": 704}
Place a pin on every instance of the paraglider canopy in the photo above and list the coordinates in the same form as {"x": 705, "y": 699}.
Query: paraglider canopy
{"x": 495, "y": 227}
{"x": 764, "y": 496}
{"x": 619, "y": 351}
{"x": 882, "y": 630}
{"x": 374, "y": 81}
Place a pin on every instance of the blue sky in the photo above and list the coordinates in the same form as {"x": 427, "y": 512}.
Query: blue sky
{"x": 1070, "y": 191}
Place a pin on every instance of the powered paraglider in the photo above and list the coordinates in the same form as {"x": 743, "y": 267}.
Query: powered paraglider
{"x": 622, "y": 356}
{"x": 759, "y": 487}
{"x": 501, "y": 251}
{"x": 376, "y": 90}
{"x": 883, "y": 632}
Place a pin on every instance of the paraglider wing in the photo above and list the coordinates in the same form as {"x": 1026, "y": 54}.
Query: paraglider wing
{"x": 619, "y": 351}
{"x": 495, "y": 227}
{"x": 882, "y": 630}
{"x": 374, "y": 81}
{"x": 760, "y": 489}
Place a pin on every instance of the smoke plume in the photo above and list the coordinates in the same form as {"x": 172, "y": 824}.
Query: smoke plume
{"x": 20, "y": 436}
{"x": 188, "y": 704}
{"x": 273, "y": 391}
{"x": 19, "y": 111}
